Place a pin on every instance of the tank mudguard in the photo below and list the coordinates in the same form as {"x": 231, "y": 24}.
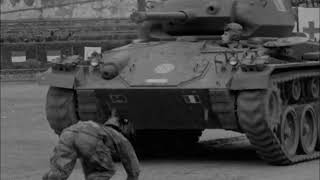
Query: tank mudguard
{"x": 261, "y": 79}
{"x": 61, "y": 79}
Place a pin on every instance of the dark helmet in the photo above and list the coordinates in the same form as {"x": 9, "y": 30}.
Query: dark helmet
{"x": 120, "y": 124}
{"x": 234, "y": 30}
{"x": 233, "y": 27}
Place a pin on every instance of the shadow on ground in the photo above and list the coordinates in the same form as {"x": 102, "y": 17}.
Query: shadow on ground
{"x": 226, "y": 149}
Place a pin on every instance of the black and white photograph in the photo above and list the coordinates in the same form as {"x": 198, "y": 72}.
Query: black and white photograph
{"x": 160, "y": 89}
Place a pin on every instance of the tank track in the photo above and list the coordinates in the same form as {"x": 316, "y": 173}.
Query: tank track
{"x": 253, "y": 118}
{"x": 60, "y": 108}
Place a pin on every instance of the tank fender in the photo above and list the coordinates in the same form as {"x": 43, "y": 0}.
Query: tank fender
{"x": 250, "y": 80}
{"x": 61, "y": 79}
{"x": 260, "y": 79}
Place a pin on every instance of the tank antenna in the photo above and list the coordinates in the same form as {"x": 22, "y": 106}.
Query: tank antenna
{"x": 141, "y": 5}
{"x": 233, "y": 10}
{"x": 143, "y": 32}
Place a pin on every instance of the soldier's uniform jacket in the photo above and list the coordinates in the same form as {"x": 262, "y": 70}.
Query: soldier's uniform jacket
{"x": 95, "y": 145}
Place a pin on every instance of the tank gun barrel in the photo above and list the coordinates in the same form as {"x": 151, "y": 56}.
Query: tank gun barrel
{"x": 141, "y": 16}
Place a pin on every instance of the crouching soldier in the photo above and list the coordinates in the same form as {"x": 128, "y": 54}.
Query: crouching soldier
{"x": 94, "y": 145}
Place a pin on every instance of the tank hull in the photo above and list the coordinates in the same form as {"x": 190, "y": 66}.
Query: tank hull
{"x": 164, "y": 108}
{"x": 260, "y": 103}
{"x": 172, "y": 90}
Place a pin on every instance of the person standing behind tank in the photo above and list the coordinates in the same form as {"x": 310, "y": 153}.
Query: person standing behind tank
{"x": 94, "y": 145}
{"x": 231, "y": 36}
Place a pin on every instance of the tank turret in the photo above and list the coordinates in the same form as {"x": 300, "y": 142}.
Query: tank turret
{"x": 264, "y": 18}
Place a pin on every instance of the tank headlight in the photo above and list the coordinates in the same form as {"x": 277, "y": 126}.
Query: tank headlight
{"x": 233, "y": 61}
{"x": 94, "y": 62}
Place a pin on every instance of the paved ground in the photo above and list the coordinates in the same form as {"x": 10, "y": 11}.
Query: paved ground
{"x": 27, "y": 142}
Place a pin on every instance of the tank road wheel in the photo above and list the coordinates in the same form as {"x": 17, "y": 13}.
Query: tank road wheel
{"x": 313, "y": 88}
{"x": 289, "y": 131}
{"x": 60, "y": 108}
{"x": 296, "y": 90}
{"x": 308, "y": 129}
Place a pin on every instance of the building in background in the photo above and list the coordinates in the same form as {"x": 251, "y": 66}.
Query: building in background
{"x": 65, "y": 9}
{"x": 37, "y": 31}
{"x": 42, "y": 29}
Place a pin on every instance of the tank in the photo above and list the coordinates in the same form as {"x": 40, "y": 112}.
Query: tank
{"x": 178, "y": 79}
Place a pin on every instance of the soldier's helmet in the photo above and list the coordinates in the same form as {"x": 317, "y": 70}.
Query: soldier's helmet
{"x": 233, "y": 27}
{"x": 234, "y": 30}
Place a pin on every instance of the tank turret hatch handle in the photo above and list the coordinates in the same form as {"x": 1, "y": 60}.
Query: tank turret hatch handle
{"x": 141, "y": 16}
